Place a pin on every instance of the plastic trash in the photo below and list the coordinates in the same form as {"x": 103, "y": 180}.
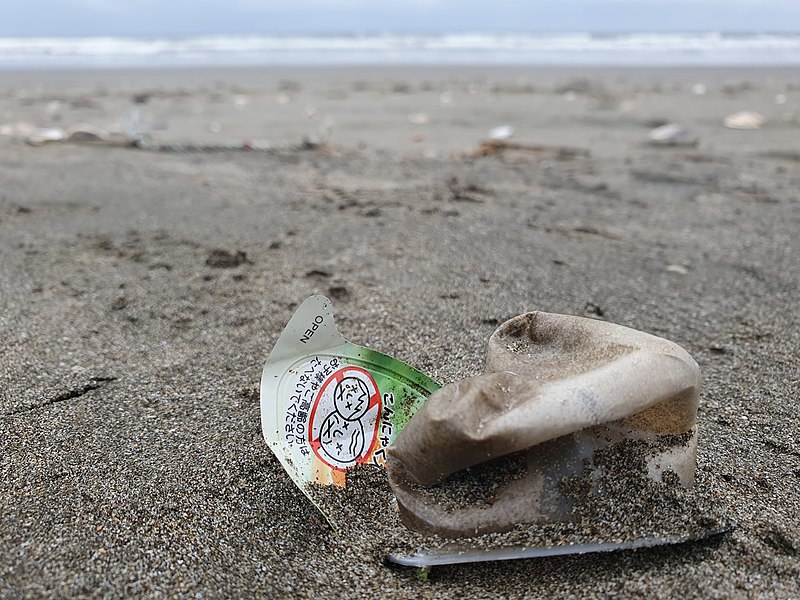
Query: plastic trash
{"x": 746, "y": 120}
{"x": 328, "y": 404}
{"x": 558, "y": 389}
{"x": 454, "y": 554}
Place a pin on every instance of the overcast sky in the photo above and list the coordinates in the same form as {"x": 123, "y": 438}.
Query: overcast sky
{"x": 199, "y": 17}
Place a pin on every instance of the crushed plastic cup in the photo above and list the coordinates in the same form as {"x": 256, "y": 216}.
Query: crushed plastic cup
{"x": 559, "y": 389}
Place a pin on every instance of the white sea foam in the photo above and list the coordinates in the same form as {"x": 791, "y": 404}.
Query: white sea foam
{"x": 476, "y": 48}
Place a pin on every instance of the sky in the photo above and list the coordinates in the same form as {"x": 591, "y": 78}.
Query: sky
{"x": 204, "y": 17}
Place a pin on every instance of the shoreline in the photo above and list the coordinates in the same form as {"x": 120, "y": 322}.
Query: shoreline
{"x": 411, "y": 68}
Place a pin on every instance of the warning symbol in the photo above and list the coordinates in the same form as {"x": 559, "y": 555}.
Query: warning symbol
{"x": 344, "y": 418}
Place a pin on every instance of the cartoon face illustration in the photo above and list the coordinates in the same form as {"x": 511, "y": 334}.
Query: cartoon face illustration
{"x": 341, "y": 439}
{"x": 351, "y": 398}
{"x": 345, "y": 417}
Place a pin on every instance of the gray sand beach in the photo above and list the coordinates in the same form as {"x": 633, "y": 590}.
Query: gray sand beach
{"x": 132, "y": 461}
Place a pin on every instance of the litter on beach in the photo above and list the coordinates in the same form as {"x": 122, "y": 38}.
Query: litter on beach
{"x": 461, "y": 553}
{"x": 560, "y": 389}
{"x": 328, "y": 404}
{"x": 558, "y": 393}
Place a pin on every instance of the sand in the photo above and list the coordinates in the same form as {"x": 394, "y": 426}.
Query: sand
{"x": 131, "y": 455}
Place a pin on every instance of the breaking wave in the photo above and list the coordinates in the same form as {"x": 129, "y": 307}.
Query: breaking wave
{"x": 472, "y": 49}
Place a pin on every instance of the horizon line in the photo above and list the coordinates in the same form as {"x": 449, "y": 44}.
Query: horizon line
{"x": 384, "y": 33}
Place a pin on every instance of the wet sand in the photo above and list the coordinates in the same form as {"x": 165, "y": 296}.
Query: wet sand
{"x": 131, "y": 455}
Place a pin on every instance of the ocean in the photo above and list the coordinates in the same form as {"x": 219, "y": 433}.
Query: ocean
{"x": 640, "y": 49}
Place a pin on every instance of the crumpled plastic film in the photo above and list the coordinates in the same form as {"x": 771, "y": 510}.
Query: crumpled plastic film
{"x": 558, "y": 388}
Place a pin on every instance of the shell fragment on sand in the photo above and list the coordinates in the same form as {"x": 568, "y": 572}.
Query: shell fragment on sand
{"x": 45, "y": 135}
{"x": 671, "y": 134}
{"x": 89, "y": 134}
{"x": 745, "y": 120}
{"x": 85, "y": 133}
{"x": 418, "y": 118}
{"x": 82, "y": 133}
{"x": 19, "y": 130}
{"x": 501, "y": 132}
{"x": 558, "y": 388}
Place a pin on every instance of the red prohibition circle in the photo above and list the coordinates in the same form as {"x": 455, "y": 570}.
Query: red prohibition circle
{"x": 374, "y": 400}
